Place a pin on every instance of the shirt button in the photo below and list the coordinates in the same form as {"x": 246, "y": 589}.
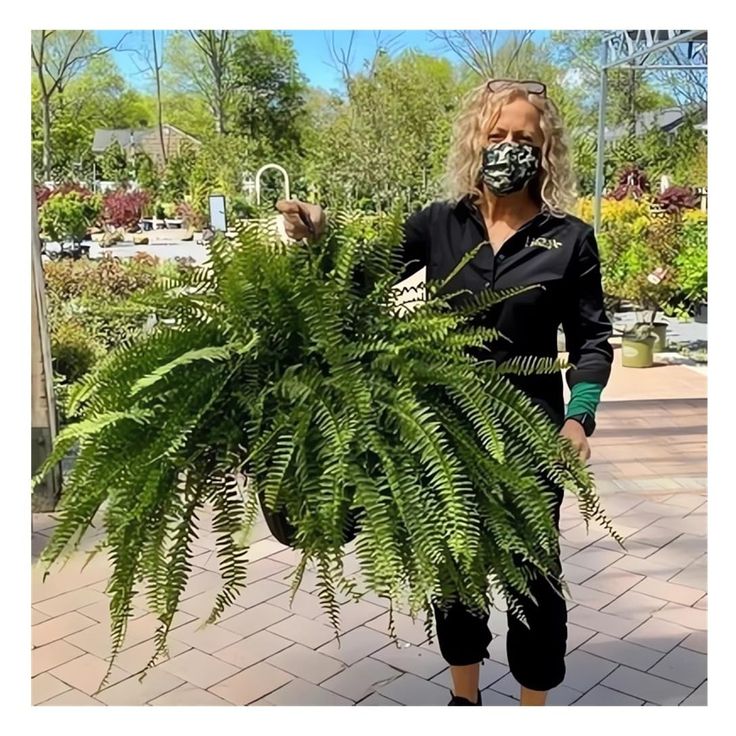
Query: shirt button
{"x": 500, "y": 258}
{"x": 488, "y": 283}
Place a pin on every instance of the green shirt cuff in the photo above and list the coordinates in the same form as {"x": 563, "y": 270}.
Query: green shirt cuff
{"x": 584, "y": 399}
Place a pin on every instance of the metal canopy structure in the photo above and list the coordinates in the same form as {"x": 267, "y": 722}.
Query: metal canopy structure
{"x": 647, "y": 51}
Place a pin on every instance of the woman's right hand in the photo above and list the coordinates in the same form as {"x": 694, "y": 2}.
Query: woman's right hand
{"x": 302, "y": 220}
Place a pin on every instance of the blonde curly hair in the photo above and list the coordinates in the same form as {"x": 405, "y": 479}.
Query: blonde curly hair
{"x": 554, "y": 185}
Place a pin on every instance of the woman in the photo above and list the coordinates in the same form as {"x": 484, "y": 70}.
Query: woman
{"x": 509, "y": 184}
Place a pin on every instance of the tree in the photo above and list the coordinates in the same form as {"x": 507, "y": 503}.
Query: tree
{"x": 188, "y": 112}
{"x": 342, "y": 59}
{"x": 389, "y": 137}
{"x": 488, "y": 54}
{"x": 216, "y": 48}
{"x": 200, "y": 66}
{"x": 101, "y": 93}
{"x": 268, "y": 92}
{"x": 630, "y": 93}
{"x": 57, "y": 57}
{"x": 151, "y": 61}
{"x": 157, "y": 64}
{"x": 98, "y": 97}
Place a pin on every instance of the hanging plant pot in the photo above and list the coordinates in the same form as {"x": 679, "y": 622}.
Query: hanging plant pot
{"x": 278, "y": 524}
{"x": 285, "y": 532}
{"x": 638, "y": 351}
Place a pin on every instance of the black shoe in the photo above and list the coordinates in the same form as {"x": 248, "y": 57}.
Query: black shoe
{"x": 457, "y": 700}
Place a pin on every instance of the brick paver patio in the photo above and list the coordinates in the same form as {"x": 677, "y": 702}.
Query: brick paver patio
{"x": 637, "y": 624}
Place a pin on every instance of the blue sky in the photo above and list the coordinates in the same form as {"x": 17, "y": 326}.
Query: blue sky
{"x": 312, "y": 50}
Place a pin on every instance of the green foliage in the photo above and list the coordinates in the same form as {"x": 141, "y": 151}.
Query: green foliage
{"x": 178, "y": 171}
{"x": 682, "y": 156}
{"x": 197, "y": 79}
{"x": 220, "y": 165}
{"x": 216, "y": 167}
{"x": 90, "y": 312}
{"x": 268, "y": 92}
{"x": 105, "y": 279}
{"x": 634, "y": 242}
{"x": 74, "y": 351}
{"x": 66, "y": 217}
{"x": 96, "y": 96}
{"x": 187, "y": 112}
{"x": 242, "y": 208}
{"x": 114, "y": 164}
{"x": 630, "y": 92}
{"x": 689, "y": 156}
{"x": 692, "y": 262}
{"x": 145, "y": 172}
{"x": 389, "y": 139}
{"x": 583, "y": 152}
{"x": 335, "y": 405}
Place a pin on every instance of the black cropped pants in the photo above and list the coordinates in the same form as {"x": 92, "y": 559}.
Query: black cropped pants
{"x": 536, "y": 654}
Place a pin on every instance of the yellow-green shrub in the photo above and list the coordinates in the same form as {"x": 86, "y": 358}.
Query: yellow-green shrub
{"x": 633, "y": 242}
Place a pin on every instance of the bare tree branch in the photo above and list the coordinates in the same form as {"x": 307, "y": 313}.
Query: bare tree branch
{"x": 157, "y": 67}
{"x": 458, "y": 46}
{"x": 341, "y": 60}
{"x": 381, "y": 47}
{"x": 153, "y": 67}
{"x": 689, "y": 85}
{"x": 518, "y": 46}
{"x": 479, "y": 50}
{"x": 478, "y": 57}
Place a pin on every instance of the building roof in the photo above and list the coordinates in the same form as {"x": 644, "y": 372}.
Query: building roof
{"x": 104, "y": 137}
{"x": 667, "y": 119}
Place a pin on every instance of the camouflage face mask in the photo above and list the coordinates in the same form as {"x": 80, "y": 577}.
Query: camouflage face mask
{"x": 508, "y": 167}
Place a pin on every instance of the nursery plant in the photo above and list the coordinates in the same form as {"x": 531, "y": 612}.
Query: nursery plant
{"x": 294, "y": 378}
{"x": 65, "y": 217}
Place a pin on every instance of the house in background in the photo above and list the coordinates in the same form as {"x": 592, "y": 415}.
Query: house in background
{"x": 667, "y": 119}
{"x": 143, "y": 140}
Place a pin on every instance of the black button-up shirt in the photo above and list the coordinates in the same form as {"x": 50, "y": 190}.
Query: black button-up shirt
{"x": 558, "y": 252}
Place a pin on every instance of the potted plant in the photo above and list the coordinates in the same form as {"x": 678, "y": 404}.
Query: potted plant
{"x": 123, "y": 209}
{"x": 649, "y": 274}
{"x": 294, "y": 369}
{"x": 630, "y": 278}
{"x": 637, "y": 345}
{"x": 66, "y": 217}
{"x": 658, "y": 279}
{"x": 645, "y": 257}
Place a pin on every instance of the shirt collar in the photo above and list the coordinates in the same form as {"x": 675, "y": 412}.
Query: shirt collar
{"x": 466, "y": 201}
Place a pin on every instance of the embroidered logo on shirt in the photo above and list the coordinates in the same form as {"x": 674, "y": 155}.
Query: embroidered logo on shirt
{"x": 547, "y": 243}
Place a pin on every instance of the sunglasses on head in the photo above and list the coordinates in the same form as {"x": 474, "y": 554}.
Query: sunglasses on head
{"x": 532, "y": 87}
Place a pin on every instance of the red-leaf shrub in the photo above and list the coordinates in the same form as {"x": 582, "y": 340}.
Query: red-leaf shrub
{"x": 124, "y": 209}
{"x": 42, "y": 194}
{"x": 633, "y": 182}
{"x": 677, "y": 199}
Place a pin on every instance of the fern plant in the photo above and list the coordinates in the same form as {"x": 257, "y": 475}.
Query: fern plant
{"x": 297, "y": 370}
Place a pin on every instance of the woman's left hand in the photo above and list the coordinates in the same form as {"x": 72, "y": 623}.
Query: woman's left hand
{"x": 576, "y": 434}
